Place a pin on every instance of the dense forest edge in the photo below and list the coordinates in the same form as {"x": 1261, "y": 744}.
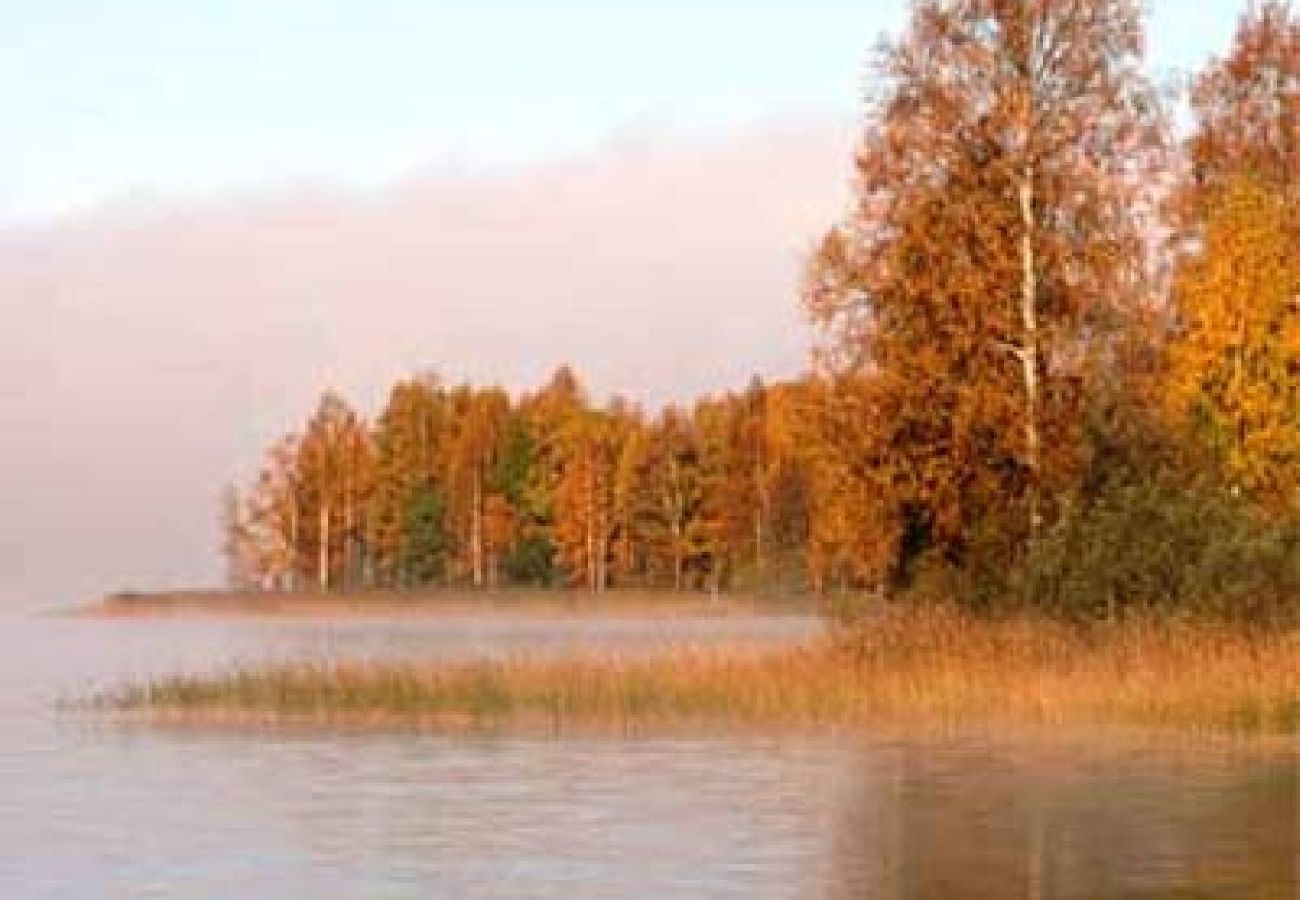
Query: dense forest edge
{"x": 1060, "y": 373}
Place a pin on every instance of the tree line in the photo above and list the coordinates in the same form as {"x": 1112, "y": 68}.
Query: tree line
{"x": 470, "y": 486}
{"x": 1061, "y": 367}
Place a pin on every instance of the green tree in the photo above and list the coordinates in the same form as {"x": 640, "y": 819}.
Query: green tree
{"x": 426, "y": 544}
{"x": 410, "y": 439}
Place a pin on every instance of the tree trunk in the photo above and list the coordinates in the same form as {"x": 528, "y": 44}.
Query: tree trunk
{"x": 349, "y": 544}
{"x": 677, "y": 556}
{"x": 1029, "y": 344}
{"x": 602, "y": 554}
{"x": 589, "y": 525}
{"x": 602, "y": 528}
{"x": 760, "y": 516}
{"x": 293, "y": 557}
{"x": 323, "y": 574}
{"x": 628, "y": 555}
{"x": 476, "y": 529}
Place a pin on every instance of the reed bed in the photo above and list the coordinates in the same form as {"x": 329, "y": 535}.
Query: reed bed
{"x": 917, "y": 667}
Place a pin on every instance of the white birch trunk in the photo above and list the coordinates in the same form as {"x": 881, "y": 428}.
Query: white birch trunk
{"x": 323, "y": 573}
{"x": 476, "y": 530}
{"x": 1029, "y": 342}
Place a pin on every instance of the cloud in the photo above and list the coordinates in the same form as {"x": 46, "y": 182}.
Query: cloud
{"x": 151, "y": 350}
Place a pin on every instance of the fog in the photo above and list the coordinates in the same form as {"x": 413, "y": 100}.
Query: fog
{"x": 152, "y": 348}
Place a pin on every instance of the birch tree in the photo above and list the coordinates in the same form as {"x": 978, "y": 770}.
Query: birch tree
{"x": 333, "y": 475}
{"x": 1001, "y": 220}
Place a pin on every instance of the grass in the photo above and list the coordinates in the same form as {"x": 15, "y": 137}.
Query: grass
{"x": 935, "y": 667}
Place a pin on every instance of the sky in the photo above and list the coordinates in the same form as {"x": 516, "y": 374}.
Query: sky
{"x": 210, "y": 212}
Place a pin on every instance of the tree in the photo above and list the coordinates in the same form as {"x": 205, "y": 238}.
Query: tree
{"x": 854, "y": 522}
{"x": 585, "y": 520}
{"x": 677, "y": 491}
{"x": 1000, "y": 222}
{"x": 1235, "y": 365}
{"x": 425, "y": 542}
{"x": 480, "y": 417}
{"x": 738, "y": 451}
{"x": 549, "y": 414}
{"x": 410, "y": 442}
{"x": 239, "y": 546}
{"x": 333, "y": 482}
{"x": 1247, "y": 112}
{"x": 720, "y": 530}
{"x": 520, "y": 512}
{"x": 629, "y": 498}
{"x": 273, "y": 518}
{"x": 791, "y": 445}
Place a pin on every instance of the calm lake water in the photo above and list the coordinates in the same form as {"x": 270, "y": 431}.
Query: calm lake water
{"x": 89, "y": 808}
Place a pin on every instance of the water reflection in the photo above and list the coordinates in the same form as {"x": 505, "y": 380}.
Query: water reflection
{"x": 1106, "y": 816}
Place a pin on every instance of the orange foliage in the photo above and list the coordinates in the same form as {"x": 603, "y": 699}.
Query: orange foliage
{"x": 1235, "y": 367}
{"x": 1001, "y": 192}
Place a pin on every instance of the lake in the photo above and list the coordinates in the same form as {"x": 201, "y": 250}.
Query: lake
{"x": 94, "y": 808}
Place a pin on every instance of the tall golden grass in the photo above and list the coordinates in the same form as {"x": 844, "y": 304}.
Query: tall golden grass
{"x": 931, "y": 667}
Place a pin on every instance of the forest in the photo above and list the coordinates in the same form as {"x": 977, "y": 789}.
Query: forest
{"x": 1059, "y": 370}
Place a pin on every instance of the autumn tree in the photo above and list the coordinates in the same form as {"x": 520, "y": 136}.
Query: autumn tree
{"x": 521, "y": 510}
{"x": 755, "y": 464}
{"x": 676, "y": 491}
{"x": 1232, "y": 362}
{"x": 239, "y": 546}
{"x": 791, "y": 501}
{"x": 1000, "y": 220}
{"x": 273, "y": 518}
{"x": 590, "y": 498}
{"x": 333, "y": 482}
{"x": 629, "y": 498}
{"x": 411, "y": 439}
{"x": 549, "y": 414}
{"x": 855, "y": 516}
{"x": 709, "y": 529}
{"x": 480, "y": 419}
{"x": 1235, "y": 365}
{"x": 1247, "y": 114}
{"x": 743, "y": 470}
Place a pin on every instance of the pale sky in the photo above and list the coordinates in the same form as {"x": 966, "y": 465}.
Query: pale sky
{"x": 163, "y": 98}
{"x": 209, "y": 212}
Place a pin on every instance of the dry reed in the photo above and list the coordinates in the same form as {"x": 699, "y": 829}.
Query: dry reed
{"x": 930, "y": 667}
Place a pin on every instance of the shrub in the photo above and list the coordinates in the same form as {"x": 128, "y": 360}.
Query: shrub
{"x": 1160, "y": 546}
